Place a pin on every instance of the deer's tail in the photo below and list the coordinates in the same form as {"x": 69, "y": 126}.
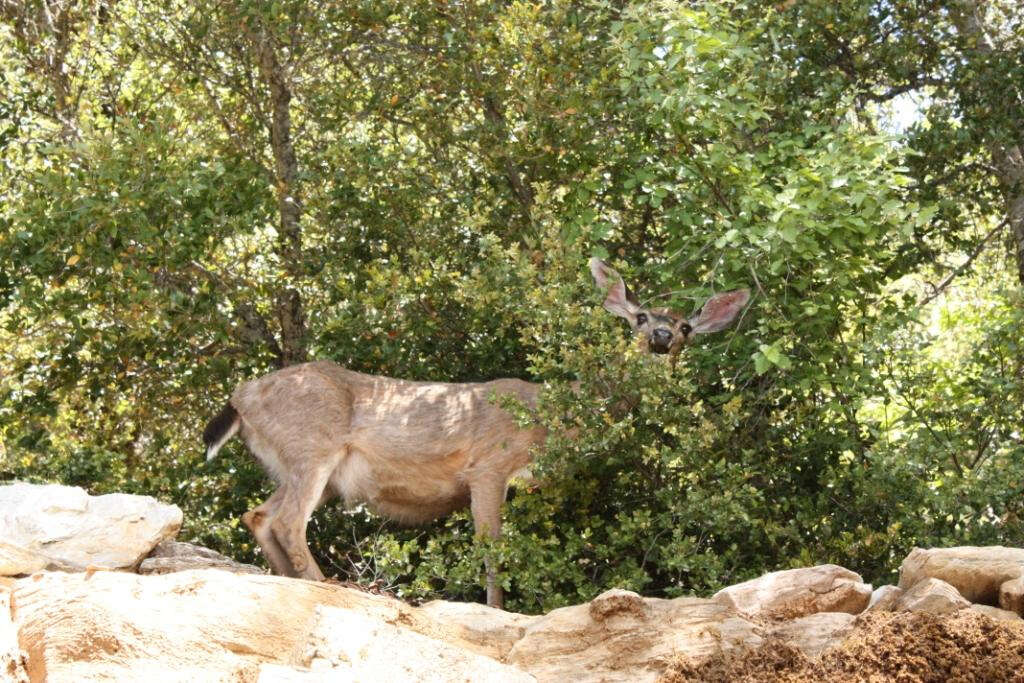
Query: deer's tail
{"x": 221, "y": 428}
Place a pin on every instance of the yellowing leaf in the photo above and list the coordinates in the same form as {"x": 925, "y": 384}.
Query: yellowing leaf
{"x": 74, "y": 259}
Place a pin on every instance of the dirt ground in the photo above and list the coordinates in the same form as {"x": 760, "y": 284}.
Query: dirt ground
{"x": 905, "y": 647}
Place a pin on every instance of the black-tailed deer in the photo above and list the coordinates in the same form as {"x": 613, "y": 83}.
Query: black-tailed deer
{"x": 411, "y": 451}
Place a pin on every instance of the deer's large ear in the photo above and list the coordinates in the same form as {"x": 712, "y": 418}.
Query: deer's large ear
{"x": 719, "y": 311}
{"x": 619, "y": 300}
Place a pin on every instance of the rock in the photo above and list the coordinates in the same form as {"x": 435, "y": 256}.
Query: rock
{"x": 72, "y": 528}
{"x": 931, "y": 595}
{"x": 618, "y": 602}
{"x": 996, "y": 613}
{"x": 620, "y": 636}
{"x": 794, "y": 593}
{"x": 200, "y": 624}
{"x": 977, "y": 573}
{"x": 815, "y": 633}
{"x": 175, "y": 556}
{"x": 884, "y": 598}
{"x": 348, "y": 646}
{"x": 1011, "y": 595}
{"x": 18, "y": 561}
{"x": 13, "y": 663}
{"x": 489, "y": 631}
{"x": 279, "y": 673}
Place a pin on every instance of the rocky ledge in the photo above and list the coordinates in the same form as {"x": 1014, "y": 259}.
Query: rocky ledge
{"x": 96, "y": 588}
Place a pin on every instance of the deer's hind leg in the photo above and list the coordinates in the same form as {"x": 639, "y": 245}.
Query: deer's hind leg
{"x": 304, "y": 492}
{"x": 258, "y": 521}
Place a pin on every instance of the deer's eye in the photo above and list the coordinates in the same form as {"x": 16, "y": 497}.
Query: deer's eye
{"x": 641, "y": 318}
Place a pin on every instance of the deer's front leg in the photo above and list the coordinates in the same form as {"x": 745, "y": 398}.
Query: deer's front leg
{"x": 486, "y": 498}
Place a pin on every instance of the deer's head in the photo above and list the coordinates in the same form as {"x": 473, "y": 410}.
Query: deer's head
{"x": 662, "y": 330}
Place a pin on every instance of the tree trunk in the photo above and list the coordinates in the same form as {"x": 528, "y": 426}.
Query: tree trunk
{"x": 513, "y": 173}
{"x": 1010, "y": 162}
{"x": 288, "y": 302}
{"x": 1008, "y": 158}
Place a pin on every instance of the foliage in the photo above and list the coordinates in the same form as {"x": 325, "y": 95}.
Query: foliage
{"x": 203, "y": 192}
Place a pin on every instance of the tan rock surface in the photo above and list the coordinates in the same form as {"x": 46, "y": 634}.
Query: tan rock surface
{"x": 202, "y": 624}
{"x": 199, "y": 625}
{"x": 815, "y": 633}
{"x": 18, "y": 561}
{"x": 884, "y": 598}
{"x": 931, "y": 595}
{"x": 620, "y": 636}
{"x": 976, "y": 572}
{"x": 348, "y": 646}
{"x": 67, "y": 525}
{"x": 794, "y": 593}
{"x": 488, "y": 631}
{"x": 1011, "y": 595}
{"x": 12, "y": 658}
{"x": 176, "y": 556}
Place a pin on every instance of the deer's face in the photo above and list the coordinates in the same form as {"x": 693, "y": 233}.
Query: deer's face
{"x": 662, "y": 330}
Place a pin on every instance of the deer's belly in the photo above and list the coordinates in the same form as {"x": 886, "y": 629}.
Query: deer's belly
{"x": 407, "y": 490}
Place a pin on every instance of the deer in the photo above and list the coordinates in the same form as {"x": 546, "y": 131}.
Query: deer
{"x": 410, "y": 451}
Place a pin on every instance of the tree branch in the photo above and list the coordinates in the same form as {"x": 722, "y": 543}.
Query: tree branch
{"x": 253, "y": 328}
{"x": 896, "y": 90}
{"x": 512, "y": 172}
{"x": 941, "y": 287}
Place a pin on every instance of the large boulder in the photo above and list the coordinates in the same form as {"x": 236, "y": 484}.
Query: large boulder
{"x": 620, "y": 636}
{"x": 18, "y": 561}
{"x": 176, "y": 556}
{"x": 1011, "y": 595}
{"x": 67, "y": 527}
{"x": 489, "y": 631}
{"x": 884, "y": 598}
{"x": 201, "y": 624}
{"x": 348, "y": 646}
{"x": 794, "y": 593}
{"x": 931, "y": 595}
{"x": 976, "y": 572}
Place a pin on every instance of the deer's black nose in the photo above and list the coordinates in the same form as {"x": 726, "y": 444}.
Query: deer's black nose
{"x": 661, "y": 338}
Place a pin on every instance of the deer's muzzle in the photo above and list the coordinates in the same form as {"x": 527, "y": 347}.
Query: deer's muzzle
{"x": 660, "y": 340}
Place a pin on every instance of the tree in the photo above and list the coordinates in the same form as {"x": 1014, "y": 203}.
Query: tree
{"x": 413, "y": 189}
{"x": 965, "y": 60}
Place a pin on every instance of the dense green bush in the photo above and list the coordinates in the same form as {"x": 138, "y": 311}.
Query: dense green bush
{"x": 454, "y": 171}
